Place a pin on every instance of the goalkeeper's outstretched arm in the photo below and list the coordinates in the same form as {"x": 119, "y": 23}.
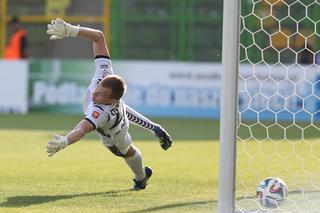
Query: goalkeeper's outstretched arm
{"x": 59, "y": 142}
{"x": 99, "y": 44}
{"x": 59, "y": 29}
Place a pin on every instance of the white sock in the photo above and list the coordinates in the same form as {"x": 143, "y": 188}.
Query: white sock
{"x": 136, "y": 165}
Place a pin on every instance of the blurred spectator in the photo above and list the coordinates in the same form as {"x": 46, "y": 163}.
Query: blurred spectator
{"x": 306, "y": 56}
{"x": 16, "y": 49}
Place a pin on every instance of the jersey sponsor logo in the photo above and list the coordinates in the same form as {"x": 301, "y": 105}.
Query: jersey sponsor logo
{"x": 95, "y": 114}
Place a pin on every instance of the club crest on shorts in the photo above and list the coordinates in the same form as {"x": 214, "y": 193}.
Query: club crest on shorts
{"x": 95, "y": 114}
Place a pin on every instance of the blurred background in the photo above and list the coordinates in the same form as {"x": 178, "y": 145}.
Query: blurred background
{"x": 169, "y": 52}
{"x": 135, "y": 29}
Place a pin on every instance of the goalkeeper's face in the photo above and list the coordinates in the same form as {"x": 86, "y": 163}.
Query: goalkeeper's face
{"x": 102, "y": 95}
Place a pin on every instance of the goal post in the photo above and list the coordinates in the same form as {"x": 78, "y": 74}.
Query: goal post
{"x": 229, "y": 102}
{"x": 270, "y": 104}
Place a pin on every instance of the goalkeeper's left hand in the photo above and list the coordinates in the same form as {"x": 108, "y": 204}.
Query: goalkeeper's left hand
{"x": 163, "y": 136}
{"x": 59, "y": 29}
{"x": 57, "y": 143}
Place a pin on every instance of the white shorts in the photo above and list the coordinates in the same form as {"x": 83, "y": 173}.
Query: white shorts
{"x": 118, "y": 145}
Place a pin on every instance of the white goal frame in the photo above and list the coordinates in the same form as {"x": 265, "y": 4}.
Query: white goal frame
{"x": 229, "y": 104}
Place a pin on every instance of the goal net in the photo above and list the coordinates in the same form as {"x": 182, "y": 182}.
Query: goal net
{"x": 279, "y": 103}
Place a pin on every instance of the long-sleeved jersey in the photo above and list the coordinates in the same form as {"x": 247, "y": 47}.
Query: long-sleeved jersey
{"x": 108, "y": 120}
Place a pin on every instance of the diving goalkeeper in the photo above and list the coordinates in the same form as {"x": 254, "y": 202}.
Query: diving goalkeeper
{"x": 104, "y": 109}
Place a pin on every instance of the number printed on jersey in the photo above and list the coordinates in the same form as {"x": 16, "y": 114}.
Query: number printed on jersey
{"x": 104, "y": 66}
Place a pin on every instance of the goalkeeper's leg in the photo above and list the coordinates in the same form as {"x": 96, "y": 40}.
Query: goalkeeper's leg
{"x": 142, "y": 174}
{"x": 123, "y": 147}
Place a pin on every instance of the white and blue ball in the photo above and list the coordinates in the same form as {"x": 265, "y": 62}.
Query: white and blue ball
{"x": 272, "y": 192}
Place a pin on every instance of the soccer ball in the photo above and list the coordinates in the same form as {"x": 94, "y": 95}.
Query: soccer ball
{"x": 272, "y": 192}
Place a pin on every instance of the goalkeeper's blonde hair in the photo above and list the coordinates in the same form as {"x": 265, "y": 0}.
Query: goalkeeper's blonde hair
{"x": 116, "y": 84}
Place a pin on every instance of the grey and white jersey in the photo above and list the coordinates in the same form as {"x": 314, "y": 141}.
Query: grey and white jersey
{"x": 103, "y": 68}
{"x": 109, "y": 120}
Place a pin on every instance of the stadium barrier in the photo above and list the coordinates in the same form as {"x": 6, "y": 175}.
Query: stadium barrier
{"x": 154, "y": 88}
{"x": 13, "y": 84}
{"x": 279, "y": 93}
{"x": 177, "y": 89}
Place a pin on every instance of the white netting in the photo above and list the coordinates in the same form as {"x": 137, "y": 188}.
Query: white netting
{"x": 279, "y": 102}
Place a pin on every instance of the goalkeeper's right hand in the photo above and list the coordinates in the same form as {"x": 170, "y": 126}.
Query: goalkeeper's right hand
{"x": 59, "y": 29}
{"x": 57, "y": 143}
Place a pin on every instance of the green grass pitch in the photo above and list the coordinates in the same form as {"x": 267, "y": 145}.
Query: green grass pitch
{"x": 86, "y": 177}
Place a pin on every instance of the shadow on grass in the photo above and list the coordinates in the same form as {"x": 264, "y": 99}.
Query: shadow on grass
{"x": 23, "y": 201}
{"x": 292, "y": 192}
{"x": 170, "y": 206}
